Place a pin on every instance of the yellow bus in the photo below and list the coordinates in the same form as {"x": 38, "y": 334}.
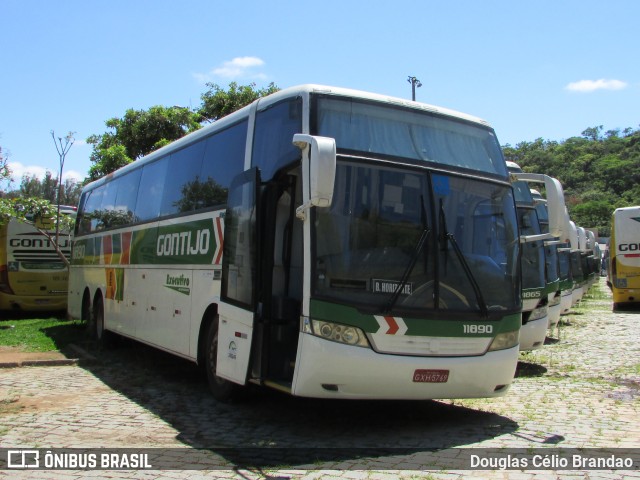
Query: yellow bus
{"x": 32, "y": 275}
{"x": 624, "y": 256}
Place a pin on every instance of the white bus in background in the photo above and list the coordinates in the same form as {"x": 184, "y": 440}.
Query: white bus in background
{"x": 370, "y": 250}
{"x": 565, "y": 267}
{"x": 536, "y": 283}
{"x": 577, "y": 265}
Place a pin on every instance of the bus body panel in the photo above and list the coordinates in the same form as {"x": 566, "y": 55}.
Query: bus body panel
{"x": 565, "y": 300}
{"x": 369, "y": 375}
{"x": 162, "y": 305}
{"x": 235, "y": 333}
{"x": 533, "y": 333}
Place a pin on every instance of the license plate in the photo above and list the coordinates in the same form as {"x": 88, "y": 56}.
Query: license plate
{"x": 431, "y": 376}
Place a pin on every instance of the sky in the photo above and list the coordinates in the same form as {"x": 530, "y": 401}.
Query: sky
{"x": 534, "y": 69}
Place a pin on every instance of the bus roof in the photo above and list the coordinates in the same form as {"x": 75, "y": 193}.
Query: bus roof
{"x": 265, "y": 102}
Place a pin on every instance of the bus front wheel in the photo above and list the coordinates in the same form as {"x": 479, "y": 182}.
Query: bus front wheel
{"x": 221, "y": 389}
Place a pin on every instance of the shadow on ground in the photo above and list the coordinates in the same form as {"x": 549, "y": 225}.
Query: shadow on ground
{"x": 276, "y": 429}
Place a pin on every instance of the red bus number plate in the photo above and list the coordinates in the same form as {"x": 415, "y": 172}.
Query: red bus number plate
{"x": 431, "y": 376}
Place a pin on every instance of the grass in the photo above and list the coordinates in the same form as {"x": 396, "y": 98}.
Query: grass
{"x": 41, "y": 334}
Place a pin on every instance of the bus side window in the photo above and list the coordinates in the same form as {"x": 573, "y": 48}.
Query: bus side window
{"x": 151, "y": 188}
{"x": 272, "y": 138}
{"x": 90, "y": 221}
{"x": 126, "y": 198}
{"x": 181, "y": 187}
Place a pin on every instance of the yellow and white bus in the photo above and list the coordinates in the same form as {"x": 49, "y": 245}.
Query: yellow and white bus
{"x": 624, "y": 256}
{"x": 371, "y": 250}
{"x": 32, "y": 275}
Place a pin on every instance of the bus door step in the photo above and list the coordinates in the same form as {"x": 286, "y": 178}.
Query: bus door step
{"x": 280, "y": 385}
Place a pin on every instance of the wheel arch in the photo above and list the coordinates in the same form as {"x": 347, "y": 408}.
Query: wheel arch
{"x": 207, "y": 317}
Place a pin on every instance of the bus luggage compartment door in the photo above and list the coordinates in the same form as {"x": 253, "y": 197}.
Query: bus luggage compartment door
{"x": 234, "y": 342}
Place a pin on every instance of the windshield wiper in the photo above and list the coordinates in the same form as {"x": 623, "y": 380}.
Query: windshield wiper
{"x": 414, "y": 258}
{"x": 449, "y": 237}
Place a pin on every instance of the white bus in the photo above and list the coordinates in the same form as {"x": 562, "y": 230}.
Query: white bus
{"x": 543, "y": 222}
{"x": 370, "y": 250}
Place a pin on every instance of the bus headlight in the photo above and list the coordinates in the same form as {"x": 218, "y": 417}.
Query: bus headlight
{"x": 505, "y": 340}
{"x": 336, "y": 332}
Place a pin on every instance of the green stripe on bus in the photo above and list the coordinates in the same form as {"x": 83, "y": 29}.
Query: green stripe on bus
{"x": 192, "y": 243}
{"x": 321, "y": 310}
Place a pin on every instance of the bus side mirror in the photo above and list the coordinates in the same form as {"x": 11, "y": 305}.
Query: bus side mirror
{"x": 555, "y": 201}
{"x": 318, "y": 170}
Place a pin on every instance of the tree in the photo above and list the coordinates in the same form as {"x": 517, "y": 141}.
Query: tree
{"x": 136, "y": 134}
{"x": 32, "y": 186}
{"x": 218, "y": 103}
{"x": 31, "y": 210}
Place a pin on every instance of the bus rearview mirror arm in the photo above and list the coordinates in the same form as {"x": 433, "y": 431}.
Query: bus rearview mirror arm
{"x": 318, "y": 171}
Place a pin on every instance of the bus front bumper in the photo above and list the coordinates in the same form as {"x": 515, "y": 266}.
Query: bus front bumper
{"x": 33, "y": 304}
{"x": 326, "y": 369}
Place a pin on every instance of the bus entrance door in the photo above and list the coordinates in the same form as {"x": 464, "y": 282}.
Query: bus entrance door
{"x": 238, "y": 299}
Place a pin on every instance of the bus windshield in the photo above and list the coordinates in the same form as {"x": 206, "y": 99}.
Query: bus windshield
{"x": 436, "y": 242}
{"x": 418, "y": 136}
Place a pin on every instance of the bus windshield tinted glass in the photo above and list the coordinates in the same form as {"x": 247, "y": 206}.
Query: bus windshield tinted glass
{"x": 409, "y": 133}
{"x": 385, "y": 245}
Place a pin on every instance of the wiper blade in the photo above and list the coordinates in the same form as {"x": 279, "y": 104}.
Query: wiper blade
{"x": 414, "y": 258}
{"x": 449, "y": 237}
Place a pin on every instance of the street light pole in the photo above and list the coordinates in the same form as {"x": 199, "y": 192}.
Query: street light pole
{"x": 414, "y": 83}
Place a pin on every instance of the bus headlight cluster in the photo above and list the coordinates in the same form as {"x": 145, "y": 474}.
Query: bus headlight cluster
{"x": 505, "y": 340}
{"x": 336, "y": 332}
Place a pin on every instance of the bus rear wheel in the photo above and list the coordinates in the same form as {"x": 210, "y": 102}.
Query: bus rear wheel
{"x": 98, "y": 320}
{"x": 221, "y": 389}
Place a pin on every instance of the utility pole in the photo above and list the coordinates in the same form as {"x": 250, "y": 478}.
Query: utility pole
{"x": 414, "y": 83}
{"x": 62, "y": 153}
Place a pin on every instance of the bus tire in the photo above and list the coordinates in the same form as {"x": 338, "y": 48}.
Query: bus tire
{"x": 98, "y": 319}
{"x": 221, "y": 389}
{"x": 102, "y": 336}
{"x": 85, "y": 314}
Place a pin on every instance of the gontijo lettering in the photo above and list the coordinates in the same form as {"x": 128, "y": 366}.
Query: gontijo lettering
{"x": 184, "y": 243}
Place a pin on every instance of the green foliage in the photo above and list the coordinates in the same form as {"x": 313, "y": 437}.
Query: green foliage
{"x": 599, "y": 172}
{"x": 107, "y": 160}
{"x": 47, "y": 188}
{"x": 140, "y": 132}
{"x": 217, "y": 103}
{"x": 136, "y": 134}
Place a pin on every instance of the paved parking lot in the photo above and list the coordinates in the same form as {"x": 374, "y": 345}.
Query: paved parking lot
{"x": 582, "y": 390}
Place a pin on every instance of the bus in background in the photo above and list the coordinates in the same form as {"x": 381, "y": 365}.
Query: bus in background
{"x": 565, "y": 270}
{"x": 32, "y": 275}
{"x": 552, "y": 262}
{"x": 538, "y": 281}
{"x": 370, "y": 250}
{"x": 577, "y": 265}
{"x": 623, "y": 275}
